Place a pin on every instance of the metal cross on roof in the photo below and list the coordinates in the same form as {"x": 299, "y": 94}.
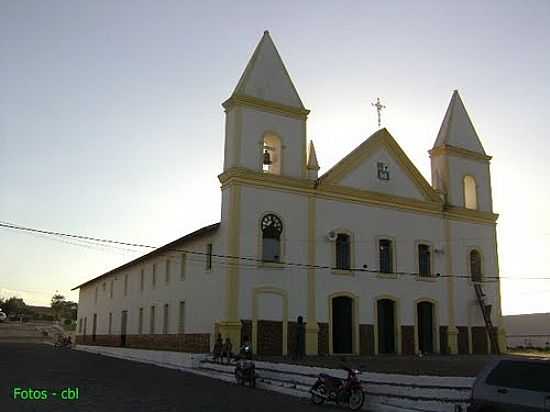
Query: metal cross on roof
{"x": 379, "y": 106}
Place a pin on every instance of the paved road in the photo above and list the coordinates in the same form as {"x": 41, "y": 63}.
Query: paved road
{"x": 109, "y": 384}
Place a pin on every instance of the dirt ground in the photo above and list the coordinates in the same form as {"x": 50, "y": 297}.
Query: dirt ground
{"x": 434, "y": 365}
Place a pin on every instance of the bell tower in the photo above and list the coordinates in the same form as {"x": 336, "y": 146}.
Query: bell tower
{"x": 265, "y": 128}
{"x": 460, "y": 166}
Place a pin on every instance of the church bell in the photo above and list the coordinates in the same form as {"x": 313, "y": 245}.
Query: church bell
{"x": 267, "y": 158}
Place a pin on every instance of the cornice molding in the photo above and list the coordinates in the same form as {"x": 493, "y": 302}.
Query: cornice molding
{"x": 265, "y": 105}
{"x": 330, "y": 191}
{"x": 460, "y": 213}
{"x": 458, "y": 152}
{"x": 326, "y": 190}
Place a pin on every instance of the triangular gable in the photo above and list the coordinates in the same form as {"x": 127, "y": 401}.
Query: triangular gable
{"x": 359, "y": 170}
{"x": 457, "y": 129}
{"x": 266, "y": 78}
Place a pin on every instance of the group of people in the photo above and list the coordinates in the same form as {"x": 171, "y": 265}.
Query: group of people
{"x": 223, "y": 349}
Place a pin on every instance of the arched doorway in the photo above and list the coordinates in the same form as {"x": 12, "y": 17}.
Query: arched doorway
{"x": 342, "y": 324}
{"x": 425, "y": 316}
{"x": 386, "y": 326}
{"x": 269, "y": 321}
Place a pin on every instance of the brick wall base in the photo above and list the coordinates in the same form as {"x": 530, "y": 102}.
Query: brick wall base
{"x": 246, "y": 330}
{"x": 463, "y": 342}
{"x": 479, "y": 340}
{"x": 407, "y": 340}
{"x": 366, "y": 339}
{"x": 323, "y": 339}
{"x": 189, "y": 342}
{"x": 443, "y": 340}
{"x": 291, "y": 338}
{"x": 270, "y": 337}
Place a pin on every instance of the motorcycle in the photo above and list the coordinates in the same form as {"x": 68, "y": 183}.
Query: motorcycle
{"x": 245, "y": 370}
{"x": 342, "y": 391}
{"x": 63, "y": 342}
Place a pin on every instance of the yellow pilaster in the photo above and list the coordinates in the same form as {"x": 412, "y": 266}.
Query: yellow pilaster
{"x": 312, "y": 328}
{"x": 231, "y": 325}
{"x": 452, "y": 333}
{"x": 501, "y": 332}
{"x": 501, "y": 337}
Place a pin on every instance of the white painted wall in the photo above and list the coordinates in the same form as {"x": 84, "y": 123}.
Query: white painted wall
{"x": 201, "y": 289}
{"x": 366, "y": 223}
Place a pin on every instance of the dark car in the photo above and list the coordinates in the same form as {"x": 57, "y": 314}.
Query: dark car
{"x": 516, "y": 385}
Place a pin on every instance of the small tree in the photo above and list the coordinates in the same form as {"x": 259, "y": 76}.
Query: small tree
{"x": 63, "y": 308}
{"x": 58, "y": 305}
{"x": 14, "y": 306}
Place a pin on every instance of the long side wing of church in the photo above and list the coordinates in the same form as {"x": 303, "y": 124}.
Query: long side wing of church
{"x": 370, "y": 256}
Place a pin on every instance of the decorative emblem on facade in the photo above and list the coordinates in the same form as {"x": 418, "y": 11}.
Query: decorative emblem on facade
{"x": 383, "y": 171}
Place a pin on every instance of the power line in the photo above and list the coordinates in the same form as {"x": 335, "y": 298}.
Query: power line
{"x": 235, "y": 259}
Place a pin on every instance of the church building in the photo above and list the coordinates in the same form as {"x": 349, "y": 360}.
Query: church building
{"x": 376, "y": 259}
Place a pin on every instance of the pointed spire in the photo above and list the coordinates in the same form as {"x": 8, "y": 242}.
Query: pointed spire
{"x": 457, "y": 129}
{"x": 312, "y": 163}
{"x": 312, "y": 166}
{"x": 266, "y": 78}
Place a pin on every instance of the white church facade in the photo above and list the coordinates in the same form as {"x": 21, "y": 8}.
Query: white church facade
{"x": 371, "y": 255}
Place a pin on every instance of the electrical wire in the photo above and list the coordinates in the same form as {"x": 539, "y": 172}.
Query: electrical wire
{"x": 235, "y": 260}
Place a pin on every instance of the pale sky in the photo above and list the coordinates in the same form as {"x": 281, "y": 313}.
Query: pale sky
{"x": 111, "y": 124}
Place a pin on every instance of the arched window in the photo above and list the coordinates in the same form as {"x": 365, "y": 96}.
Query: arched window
{"x": 271, "y": 154}
{"x": 343, "y": 251}
{"x": 272, "y": 227}
{"x": 470, "y": 192}
{"x": 475, "y": 266}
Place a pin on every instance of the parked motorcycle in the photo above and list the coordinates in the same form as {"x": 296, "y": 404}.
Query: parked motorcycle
{"x": 63, "y": 342}
{"x": 342, "y": 391}
{"x": 245, "y": 370}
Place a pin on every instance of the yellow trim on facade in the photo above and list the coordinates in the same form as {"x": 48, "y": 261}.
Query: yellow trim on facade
{"x": 458, "y": 152}
{"x": 396, "y": 321}
{"x": 435, "y": 320}
{"x": 354, "y": 321}
{"x": 476, "y": 216}
{"x": 266, "y": 106}
{"x": 312, "y": 327}
{"x": 335, "y": 192}
{"x": 273, "y": 291}
{"x": 382, "y": 138}
{"x": 238, "y": 136}
{"x": 231, "y": 326}
{"x": 452, "y": 332}
{"x": 334, "y": 270}
{"x": 432, "y": 277}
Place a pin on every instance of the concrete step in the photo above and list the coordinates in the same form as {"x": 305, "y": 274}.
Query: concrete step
{"x": 422, "y": 393}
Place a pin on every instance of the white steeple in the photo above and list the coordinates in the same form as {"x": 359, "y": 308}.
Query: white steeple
{"x": 460, "y": 166}
{"x": 457, "y": 129}
{"x": 265, "y": 119}
{"x": 266, "y": 78}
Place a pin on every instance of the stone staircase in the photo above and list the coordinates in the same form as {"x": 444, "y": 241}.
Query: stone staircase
{"x": 384, "y": 392}
{"x": 29, "y": 332}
